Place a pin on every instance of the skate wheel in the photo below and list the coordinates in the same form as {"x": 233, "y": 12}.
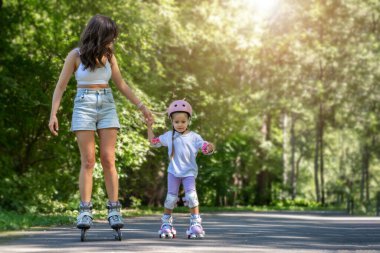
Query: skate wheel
{"x": 192, "y": 236}
{"x": 118, "y": 235}
{"x": 83, "y": 234}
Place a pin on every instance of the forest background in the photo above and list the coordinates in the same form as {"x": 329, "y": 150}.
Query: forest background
{"x": 287, "y": 90}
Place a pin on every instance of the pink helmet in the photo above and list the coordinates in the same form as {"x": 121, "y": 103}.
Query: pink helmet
{"x": 180, "y": 106}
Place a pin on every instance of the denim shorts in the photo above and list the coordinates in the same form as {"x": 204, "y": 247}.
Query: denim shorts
{"x": 94, "y": 109}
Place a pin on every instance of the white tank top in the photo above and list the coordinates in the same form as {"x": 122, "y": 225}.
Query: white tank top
{"x": 99, "y": 76}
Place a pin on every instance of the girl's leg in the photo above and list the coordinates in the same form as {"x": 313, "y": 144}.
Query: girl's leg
{"x": 190, "y": 190}
{"x": 173, "y": 188}
{"x": 194, "y": 210}
{"x": 107, "y": 144}
{"x": 167, "y": 230}
{"x": 195, "y": 229}
{"x": 86, "y": 143}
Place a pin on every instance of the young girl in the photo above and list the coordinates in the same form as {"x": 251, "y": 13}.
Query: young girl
{"x": 94, "y": 63}
{"x": 183, "y": 146}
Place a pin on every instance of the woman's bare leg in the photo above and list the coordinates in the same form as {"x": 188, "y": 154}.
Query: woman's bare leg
{"x": 107, "y": 157}
{"x": 86, "y": 143}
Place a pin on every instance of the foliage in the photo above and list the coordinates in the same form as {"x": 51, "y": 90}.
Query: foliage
{"x": 243, "y": 70}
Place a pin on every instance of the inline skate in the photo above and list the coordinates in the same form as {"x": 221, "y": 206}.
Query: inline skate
{"x": 84, "y": 219}
{"x": 114, "y": 219}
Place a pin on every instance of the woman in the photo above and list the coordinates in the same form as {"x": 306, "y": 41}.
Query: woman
{"x": 94, "y": 63}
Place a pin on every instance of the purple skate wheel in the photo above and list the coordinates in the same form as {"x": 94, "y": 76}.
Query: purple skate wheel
{"x": 196, "y": 230}
{"x": 166, "y": 231}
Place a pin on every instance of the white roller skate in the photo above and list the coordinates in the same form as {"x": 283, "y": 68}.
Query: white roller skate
{"x": 84, "y": 219}
{"x": 195, "y": 230}
{"x": 114, "y": 219}
{"x": 167, "y": 230}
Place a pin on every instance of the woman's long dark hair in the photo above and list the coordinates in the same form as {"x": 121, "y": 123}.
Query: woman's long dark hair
{"x": 99, "y": 32}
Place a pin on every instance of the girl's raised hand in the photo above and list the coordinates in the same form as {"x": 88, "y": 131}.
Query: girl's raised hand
{"x": 210, "y": 148}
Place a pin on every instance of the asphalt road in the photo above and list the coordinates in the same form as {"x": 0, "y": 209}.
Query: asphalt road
{"x": 225, "y": 232}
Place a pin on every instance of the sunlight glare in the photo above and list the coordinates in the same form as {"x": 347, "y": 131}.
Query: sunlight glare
{"x": 262, "y": 7}
{"x": 266, "y": 6}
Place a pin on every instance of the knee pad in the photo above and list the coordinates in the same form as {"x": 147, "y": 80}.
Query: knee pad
{"x": 191, "y": 199}
{"x": 170, "y": 201}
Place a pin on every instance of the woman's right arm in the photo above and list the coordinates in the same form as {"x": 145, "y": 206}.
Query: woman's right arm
{"x": 67, "y": 71}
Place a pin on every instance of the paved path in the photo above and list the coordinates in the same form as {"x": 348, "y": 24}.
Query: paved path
{"x": 226, "y": 232}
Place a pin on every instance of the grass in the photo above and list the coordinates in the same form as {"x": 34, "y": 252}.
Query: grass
{"x": 12, "y": 221}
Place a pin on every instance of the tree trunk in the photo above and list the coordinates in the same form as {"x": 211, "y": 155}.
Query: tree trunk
{"x": 297, "y": 173}
{"x": 265, "y": 129}
{"x": 237, "y": 179}
{"x": 316, "y": 158}
{"x": 285, "y": 159}
{"x": 342, "y": 165}
{"x": 263, "y": 188}
{"x": 364, "y": 187}
{"x": 292, "y": 157}
{"x": 263, "y": 179}
{"x": 321, "y": 153}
